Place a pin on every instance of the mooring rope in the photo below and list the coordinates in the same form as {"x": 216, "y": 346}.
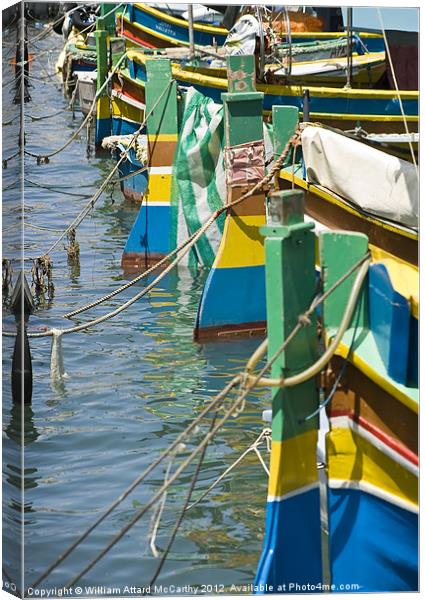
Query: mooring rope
{"x": 171, "y": 448}
{"x": 49, "y": 188}
{"x": 182, "y": 511}
{"x": 202, "y": 444}
{"x": 41, "y": 158}
{"x": 89, "y": 206}
{"x": 304, "y": 319}
{"x": 42, "y": 117}
{"x": 390, "y": 60}
{"x": 183, "y": 249}
{"x": 248, "y": 383}
{"x": 252, "y": 448}
{"x": 6, "y": 123}
{"x": 185, "y": 246}
{"x": 9, "y": 158}
{"x": 235, "y": 406}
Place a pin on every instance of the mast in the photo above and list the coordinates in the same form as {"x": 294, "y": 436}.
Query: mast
{"x": 349, "y": 46}
{"x": 191, "y": 38}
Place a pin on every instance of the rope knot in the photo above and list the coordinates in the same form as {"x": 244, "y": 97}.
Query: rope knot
{"x": 304, "y": 320}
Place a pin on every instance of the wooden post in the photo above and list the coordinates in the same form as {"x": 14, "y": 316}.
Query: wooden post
{"x": 149, "y": 239}
{"x": 233, "y": 302}
{"x": 103, "y": 111}
{"x": 108, "y": 17}
{"x": 292, "y": 548}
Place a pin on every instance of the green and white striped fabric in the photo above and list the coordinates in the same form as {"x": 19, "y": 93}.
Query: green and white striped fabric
{"x": 199, "y": 183}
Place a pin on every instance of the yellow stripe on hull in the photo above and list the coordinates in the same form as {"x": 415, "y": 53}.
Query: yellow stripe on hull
{"x": 405, "y": 280}
{"x": 282, "y": 90}
{"x": 293, "y": 465}
{"x": 352, "y": 458}
{"x": 121, "y": 109}
{"x": 241, "y": 244}
{"x": 159, "y": 188}
{"x": 343, "y": 350}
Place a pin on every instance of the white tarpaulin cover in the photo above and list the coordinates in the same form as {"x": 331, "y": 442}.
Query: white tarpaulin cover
{"x": 241, "y": 38}
{"x": 383, "y": 185}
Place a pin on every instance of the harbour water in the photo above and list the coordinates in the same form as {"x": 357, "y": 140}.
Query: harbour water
{"x": 133, "y": 384}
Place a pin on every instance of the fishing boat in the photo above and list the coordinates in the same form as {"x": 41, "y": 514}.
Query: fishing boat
{"x": 375, "y": 111}
{"x": 349, "y": 197}
{"x": 147, "y": 26}
{"x": 367, "y": 70}
{"x": 87, "y": 81}
{"x": 363, "y": 490}
{"x": 78, "y": 54}
{"x": 152, "y": 28}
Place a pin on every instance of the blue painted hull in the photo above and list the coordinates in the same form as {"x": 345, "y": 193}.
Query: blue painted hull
{"x": 150, "y": 233}
{"x": 329, "y": 105}
{"x": 239, "y": 297}
{"x": 172, "y": 30}
{"x": 290, "y": 562}
{"x": 373, "y": 543}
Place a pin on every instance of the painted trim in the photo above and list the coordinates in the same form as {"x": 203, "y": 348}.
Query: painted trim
{"x": 128, "y": 100}
{"x": 352, "y": 458}
{"x": 385, "y": 384}
{"x": 374, "y": 436}
{"x": 334, "y": 199}
{"x": 161, "y": 170}
{"x": 163, "y": 137}
{"x": 180, "y": 22}
{"x": 294, "y": 493}
{"x": 293, "y": 464}
{"x": 364, "y": 486}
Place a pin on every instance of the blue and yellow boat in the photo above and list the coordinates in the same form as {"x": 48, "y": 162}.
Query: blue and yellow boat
{"x": 149, "y": 27}
{"x": 348, "y": 523}
{"x": 377, "y": 111}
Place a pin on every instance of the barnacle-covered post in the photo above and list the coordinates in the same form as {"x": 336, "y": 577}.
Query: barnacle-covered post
{"x": 292, "y": 547}
{"x": 22, "y": 306}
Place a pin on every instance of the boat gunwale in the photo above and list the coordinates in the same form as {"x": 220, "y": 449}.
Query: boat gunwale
{"x": 280, "y": 90}
{"x": 179, "y": 22}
